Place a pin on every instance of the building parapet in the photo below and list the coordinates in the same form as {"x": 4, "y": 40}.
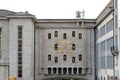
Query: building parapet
{"x": 105, "y": 12}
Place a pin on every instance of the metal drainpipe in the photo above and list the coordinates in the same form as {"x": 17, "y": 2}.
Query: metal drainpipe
{"x": 34, "y": 52}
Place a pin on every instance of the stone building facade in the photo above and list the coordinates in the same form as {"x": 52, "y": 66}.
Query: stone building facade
{"x": 53, "y": 49}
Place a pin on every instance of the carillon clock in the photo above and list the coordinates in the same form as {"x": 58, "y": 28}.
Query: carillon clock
{"x": 64, "y": 46}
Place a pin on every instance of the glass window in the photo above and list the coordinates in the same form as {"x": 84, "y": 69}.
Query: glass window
{"x": 64, "y": 36}
{"x": 49, "y": 57}
{"x": 109, "y": 26}
{"x": 56, "y": 33}
{"x": 73, "y": 33}
{"x": 109, "y": 56}
{"x": 59, "y": 70}
{"x": 56, "y": 59}
{"x": 64, "y": 70}
{"x": 19, "y": 51}
{"x": 56, "y": 46}
{"x": 102, "y": 31}
{"x": 73, "y": 59}
{"x": 80, "y": 35}
{"x": 102, "y": 53}
{"x": 69, "y": 70}
{"x": 49, "y": 70}
{"x": 73, "y": 46}
{"x": 74, "y": 70}
{"x": 80, "y": 70}
{"x": 64, "y": 57}
{"x": 54, "y": 70}
{"x": 49, "y": 35}
{"x": 80, "y": 57}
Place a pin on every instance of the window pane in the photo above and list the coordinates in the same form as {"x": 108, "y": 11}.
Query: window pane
{"x": 56, "y": 33}
{"x": 74, "y": 70}
{"x": 59, "y": 70}
{"x": 69, "y": 70}
{"x": 56, "y": 59}
{"x": 49, "y": 35}
{"x": 54, "y": 70}
{"x": 64, "y": 57}
{"x": 73, "y": 46}
{"x": 102, "y": 31}
{"x": 102, "y": 53}
{"x": 80, "y": 35}
{"x": 109, "y": 26}
{"x": 49, "y": 57}
{"x": 64, "y": 36}
{"x": 80, "y": 70}
{"x": 20, "y": 51}
{"x": 64, "y": 70}
{"x": 73, "y": 59}
{"x": 49, "y": 71}
{"x": 73, "y": 33}
{"x": 80, "y": 57}
{"x": 56, "y": 46}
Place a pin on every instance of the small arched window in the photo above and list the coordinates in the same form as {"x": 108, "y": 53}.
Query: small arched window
{"x": 80, "y": 35}
{"x": 73, "y": 33}
{"x": 49, "y": 70}
{"x": 56, "y": 59}
{"x": 56, "y": 33}
{"x": 73, "y": 59}
{"x": 69, "y": 70}
{"x": 74, "y": 70}
{"x": 56, "y": 46}
{"x": 73, "y": 46}
{"x": 54, "y": 70}
{"x": 80, "y": 71}
{"x": 80, "y": 57}
{"x": 64, "y": 70}
{"x": 64, "y": 57}
{"x": 49, "y": 57}
{"x": 64, "y": 36}
{"x": 49, "y": 35}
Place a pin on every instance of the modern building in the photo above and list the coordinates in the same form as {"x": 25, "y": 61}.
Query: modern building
{"x": 107, "y": 42}
{"x": 60, "y": 49}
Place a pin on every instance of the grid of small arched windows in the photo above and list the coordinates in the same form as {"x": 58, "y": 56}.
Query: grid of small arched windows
{"x": 65, "y": 35}
{"x": 65, "y": 70}
{"x": 65, "y": 58}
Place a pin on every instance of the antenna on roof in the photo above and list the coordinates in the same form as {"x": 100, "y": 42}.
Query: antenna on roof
{"x": 83, "y": 14}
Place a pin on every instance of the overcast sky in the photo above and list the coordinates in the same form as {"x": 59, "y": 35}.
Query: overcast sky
{"x": 55, "y": 9}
